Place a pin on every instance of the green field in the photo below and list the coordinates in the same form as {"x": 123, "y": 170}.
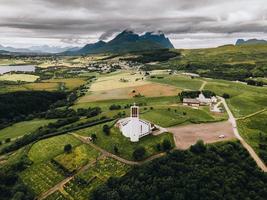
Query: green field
{"x": 180, "y": 81}
{"x": 41, "y": 177}
{"x": 178, "y": 115}
{"x": 254, "y": 131}
{"x": 79, "y": 157}
{"x": 123, "y": 144}
{"x": 244, "y": 99}
{"x": 48, "y": 148}
{"x": 22, "y": 128}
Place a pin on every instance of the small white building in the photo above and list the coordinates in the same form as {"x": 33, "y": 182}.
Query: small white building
{"x": 206, "y": 101}
{"x": 133, "y": 127}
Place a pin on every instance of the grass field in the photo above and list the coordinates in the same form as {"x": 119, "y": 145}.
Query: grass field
{"x": 254, "y": 131}
{"x": 180, "y": 81}
{"x": 41, "y": 177}
{"x": 124, "y": 145}
{"x": 22, "y": 128}
{"x": 19, "y": 77}
{"x": 244, "y": 99}
{"x": 79, "y": 157}
{"x": 49, "y": 148}
{"x": 178, "y": 115}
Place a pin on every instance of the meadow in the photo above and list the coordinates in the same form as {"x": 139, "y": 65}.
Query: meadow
{"x": 22, "y": 128}
{"x": 180, "y": 81}
{"x": 47, "y": 149}
{"x": 254, "y": 131}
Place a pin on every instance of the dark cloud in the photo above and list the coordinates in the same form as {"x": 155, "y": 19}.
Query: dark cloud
{"x": 71, "y": 21}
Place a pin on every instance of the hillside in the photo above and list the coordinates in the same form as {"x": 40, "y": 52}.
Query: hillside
{"x": 250, "y": 42}
{"x": 126, "y": 41}
{"x": 225, "y": 62}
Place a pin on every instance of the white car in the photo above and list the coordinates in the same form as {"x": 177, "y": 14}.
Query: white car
{"x": 221, "y": 136}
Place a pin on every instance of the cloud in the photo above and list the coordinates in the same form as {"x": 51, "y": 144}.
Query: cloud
{"x": 70, "y": 21}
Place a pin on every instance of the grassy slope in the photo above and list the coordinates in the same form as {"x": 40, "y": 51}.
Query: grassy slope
{"x": 49, "y": 148}
{"x": 183, "y": 82}
{"x": 124, "y": 145}
{"x": 22, "y": 128}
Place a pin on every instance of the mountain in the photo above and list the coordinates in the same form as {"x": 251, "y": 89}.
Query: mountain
{"x": 250, "y": 42}
{"x": 158, "y": 38}
{"x": 38, "y": 49}
{"x": 126, "y": 41}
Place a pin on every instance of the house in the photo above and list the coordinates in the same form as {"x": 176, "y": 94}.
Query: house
{"x": 133, "y": 127}
{"x": 206, "y": 101}
{"x": 191, "y": 102}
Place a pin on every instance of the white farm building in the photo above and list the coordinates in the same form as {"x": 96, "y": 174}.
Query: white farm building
{"x": 133, "y": 127}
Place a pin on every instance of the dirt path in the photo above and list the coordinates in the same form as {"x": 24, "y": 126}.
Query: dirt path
{"x": 252, "y": 153}
{"x": 252, "y": 114}
{"x": 187, "y": 135}
{"x": 203, "y": 85}
{"x": 120, "y": 159}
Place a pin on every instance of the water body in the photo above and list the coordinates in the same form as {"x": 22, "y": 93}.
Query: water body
{"x": 17, "y": 68}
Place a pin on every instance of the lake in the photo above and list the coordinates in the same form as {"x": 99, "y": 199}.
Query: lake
{"x": 17, "y": 68}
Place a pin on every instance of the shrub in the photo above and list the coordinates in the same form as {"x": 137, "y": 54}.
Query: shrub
{"x": 106, "y": 129}
{"x": 7, "y": 140}
{"x": 226, "y": 96}
{"x": 67, "y": 148}
{"x": 166, "y": 145}
{"x": 139, "y": 153}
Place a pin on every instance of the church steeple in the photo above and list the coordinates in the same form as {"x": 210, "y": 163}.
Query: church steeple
{"x": 135, "y": 111}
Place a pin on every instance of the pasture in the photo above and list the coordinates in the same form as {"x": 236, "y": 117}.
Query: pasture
{"x": 179, "y": 81}
{"x": 19, "y": 77}
{"x": 244, "y": 99}
{"x": 254, "y": 131}
{"x": 22, "y": 128}
{"x": 49, "y": 148}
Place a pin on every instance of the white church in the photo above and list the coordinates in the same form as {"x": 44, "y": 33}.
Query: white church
{"x": 134, "y": 128}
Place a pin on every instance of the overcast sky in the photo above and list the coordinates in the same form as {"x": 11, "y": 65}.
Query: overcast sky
{"x": 188, "y": 23}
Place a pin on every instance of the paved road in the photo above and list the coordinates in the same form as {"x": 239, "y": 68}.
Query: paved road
{"x": 252, "y": 153}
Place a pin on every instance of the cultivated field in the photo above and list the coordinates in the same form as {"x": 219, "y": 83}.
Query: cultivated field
{"x": 19, "y": 77}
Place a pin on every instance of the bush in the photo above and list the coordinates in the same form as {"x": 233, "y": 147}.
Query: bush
{"x": 139, "y": 153}
{"x": 116, "y": 150}
{"x": 67, "y": 148}
{"x": 226, "y": 96}
{"x": 106, "y": 129}
{"x": 166, "y": 145}
{"x": 158, "y": 147}
{"x": 114, "y": 107}
{"x": 7, "y": 140}
{"x": 94, "y": 137}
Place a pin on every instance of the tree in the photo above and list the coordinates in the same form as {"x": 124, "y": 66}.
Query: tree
{"x": 116, "y": 150}
{"x": 158, "y": 147}
{"x": 226, "y": 96}
{"x": 139, "y": 153}
{"x": 7, "y": 140}
{"x": 67, "y": 148}
{"x": 166, "y": 145}
{"x": 94, "y": 137}
{"x": 106, "y": 129}
{"x": 199, "y": 147}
